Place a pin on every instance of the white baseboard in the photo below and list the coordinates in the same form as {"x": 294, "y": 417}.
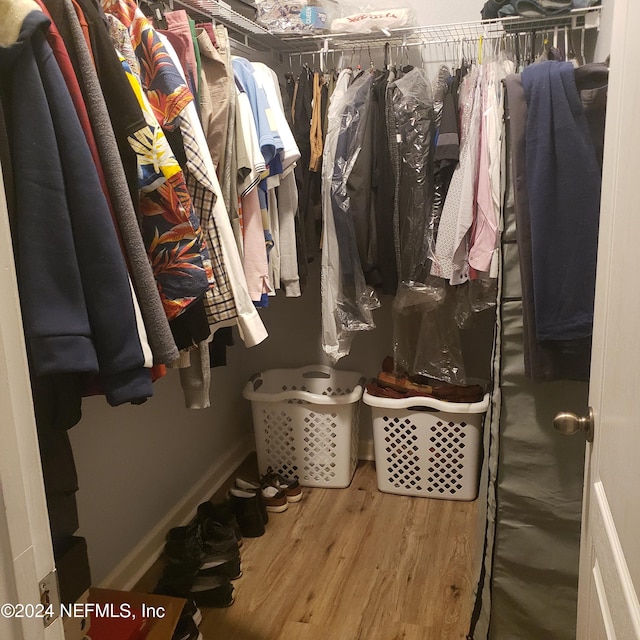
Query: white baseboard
{"x": 131, "y": 569}
{"x": 366, "y": 450}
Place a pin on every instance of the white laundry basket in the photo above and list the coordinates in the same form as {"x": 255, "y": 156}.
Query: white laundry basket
{"x": 427, "y": 447}
{"x": 306, "y": 423}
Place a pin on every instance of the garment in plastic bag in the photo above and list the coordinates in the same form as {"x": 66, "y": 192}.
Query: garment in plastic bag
{"x": 412, "y": 103}
{"x": 347, "y": 301}
{"x": 442, "y": 170}
{"x": 451, "y": 250}
{"x": 426, "y": 337}
{"x": 473, "y": 297}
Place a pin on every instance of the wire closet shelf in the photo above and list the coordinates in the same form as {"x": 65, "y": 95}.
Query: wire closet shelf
{"x": 588, "y": 18}
{"x": 255, "y": 36}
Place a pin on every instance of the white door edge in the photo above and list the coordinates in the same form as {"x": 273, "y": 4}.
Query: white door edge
{"x": 614, "y": 576}
{"x": 26, "y": 551}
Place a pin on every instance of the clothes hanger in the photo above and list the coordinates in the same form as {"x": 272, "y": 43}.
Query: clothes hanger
{"x": 158, "y": 9}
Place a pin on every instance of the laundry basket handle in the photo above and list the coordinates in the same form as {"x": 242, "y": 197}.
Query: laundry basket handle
{"x": 256, "y": 381}
{"x": 316, "y": 374}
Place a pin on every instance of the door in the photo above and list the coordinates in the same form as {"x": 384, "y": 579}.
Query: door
{"x": 610, "y": 549}
{"x": 26, "y": 554}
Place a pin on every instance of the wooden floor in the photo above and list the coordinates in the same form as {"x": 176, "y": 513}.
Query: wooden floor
{"x": 354, "y": 564}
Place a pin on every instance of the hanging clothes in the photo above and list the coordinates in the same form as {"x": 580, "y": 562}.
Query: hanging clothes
{"x": 316, "y": 137}
{"x": 447, "y": 142}
{"x": 308, "y": 183}
{"x": 347, "y": 300}
{"x": 268, "y": 80}
{"x": 178, "y": 32}
{"x": 79, "y": 313}
{"x": 157, "y": 327}
{"x": 484, "y": 239}
{"x": 270, "y": 141}
{"x": 334, "y": 341}
{"x": 251, "y": 328}
{"x": 450, "y": 256}
{"x": 165, "y": 199}
{"x": 564, "y": 201}
{"x": 549, "y": 359}
{"x": 215, "y": 95}
{"x": 383, "y": 188}
{"x": 412, "y": 101}
{"x": 218, "y": 301}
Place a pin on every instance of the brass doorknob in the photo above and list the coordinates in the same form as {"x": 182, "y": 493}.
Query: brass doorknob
{"x": 569, "y": 424}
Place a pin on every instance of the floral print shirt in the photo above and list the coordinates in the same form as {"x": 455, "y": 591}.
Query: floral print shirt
{"x": 170, "y": 228}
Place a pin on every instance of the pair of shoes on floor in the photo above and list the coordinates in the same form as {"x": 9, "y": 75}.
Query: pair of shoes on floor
{"x": 212, "y": 549}
{"x": 272, "y": 493}
{"x": 188, "y": 581}
{"x": 249, "y": 508}
{"x": 219, "y": 514}
{"x": 273, "y": 498}
{"x": 289, "y": 486}
{"x": 203, "y": 558}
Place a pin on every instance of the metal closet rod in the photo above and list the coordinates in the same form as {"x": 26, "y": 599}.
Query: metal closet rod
{"x": 364, "y": 46}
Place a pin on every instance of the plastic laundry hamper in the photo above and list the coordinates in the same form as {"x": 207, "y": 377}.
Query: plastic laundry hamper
{"x": 427, "y": 447}
{"x": 306, "y": 423}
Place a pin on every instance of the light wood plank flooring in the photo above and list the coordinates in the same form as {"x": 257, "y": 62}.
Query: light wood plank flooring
{"x": 354, "y": 564}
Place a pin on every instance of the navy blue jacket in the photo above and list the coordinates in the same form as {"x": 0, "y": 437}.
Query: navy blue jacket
{"x": 74, "y": 287}
{"x": 563, "y": 179}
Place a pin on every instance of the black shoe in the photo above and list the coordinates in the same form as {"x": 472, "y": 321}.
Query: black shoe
{"x": 229, "y": 568}
{"x": 247, "y": 508}
{"x": 219, "y": 513}
{"x": 185, "y": 545}
{"x": 216, "y": 538}
{"x": 186, "y": 629}
{"x": 247, "y": 485}
{"x": 191, "y": 610}
{"x": 183, "y": 581}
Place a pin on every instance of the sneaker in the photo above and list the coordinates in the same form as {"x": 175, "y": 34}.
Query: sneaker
{"x": 186, "y": 546}
{"x": 191, "y": 610}
{"x": 273, "y": 498}
{"x": 291, "y": 487}
{"x": 216, "y": 538}
{"x": 220, "y": 513}
{"x": 186, "y": 629}
{"x": 183, "y": 580}
{"x": 248, "y": 509}
{"x": 254, "y": 487}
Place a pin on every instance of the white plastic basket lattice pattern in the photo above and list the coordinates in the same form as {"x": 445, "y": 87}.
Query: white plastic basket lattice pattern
{"x": 306, "y": 423}
{"x": 426, "y": 447}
